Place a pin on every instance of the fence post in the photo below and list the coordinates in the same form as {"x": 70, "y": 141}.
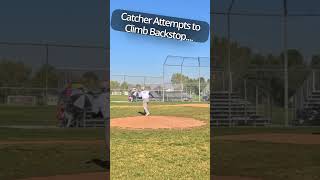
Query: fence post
{"x": 181, "y": 80}
{"x": 313, "y": 81}
{"x": 46, "y": 73}
{"x": 245, "y": 98}
{"x": 163, "y": 85}
{"x": 257, "y": 99}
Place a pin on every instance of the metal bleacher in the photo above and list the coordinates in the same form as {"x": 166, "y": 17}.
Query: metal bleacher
{"x": 306, "y": 101}
{"x": 234, "y": 112}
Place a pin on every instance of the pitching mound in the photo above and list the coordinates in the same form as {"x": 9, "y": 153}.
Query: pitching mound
{"x": 93, "y": 176}
{"x": 275, "y": 138}
{"x": 155, "y": 122}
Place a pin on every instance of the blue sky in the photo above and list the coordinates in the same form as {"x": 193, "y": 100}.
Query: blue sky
{"x": 64, "y": 22}
{"x": 134, "y": 54}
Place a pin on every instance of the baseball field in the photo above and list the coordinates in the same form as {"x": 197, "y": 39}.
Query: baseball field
{"x": 162, "y": 151}
{"x": 168, "y": 151}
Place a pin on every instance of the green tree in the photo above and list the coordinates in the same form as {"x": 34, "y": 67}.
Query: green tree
{"x": 124, "y": 86}
{"x": 46, "y": 74}
{"x": 114, "y": 85}
{"x": 90, "y": 80}
{"x": 295, "y": 58}
{"x": 14, "y": 73}
{"x": 178, "y": 77}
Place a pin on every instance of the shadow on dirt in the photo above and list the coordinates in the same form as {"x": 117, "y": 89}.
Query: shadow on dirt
{"x": 100, "y": 163}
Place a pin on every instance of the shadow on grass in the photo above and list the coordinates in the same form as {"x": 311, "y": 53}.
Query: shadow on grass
{"x": 142, "y": 113}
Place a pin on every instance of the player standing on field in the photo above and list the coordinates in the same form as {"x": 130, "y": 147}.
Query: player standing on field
{"x": 145, "y": 95}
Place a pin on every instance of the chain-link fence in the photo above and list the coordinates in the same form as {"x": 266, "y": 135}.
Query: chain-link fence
{"x": 270, "y": 46}
{"x": 35, "y": 73}
{"x": 188, "y": 78}
{"x": 183, "y": 79}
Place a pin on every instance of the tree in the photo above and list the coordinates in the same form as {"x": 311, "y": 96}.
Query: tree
{"x": 114, "y": 85}
{"x": 90, "y": 80}
{"x": 258, "y": 59}
{"x": 46, "y": 73}
{"x": 124, "y": 86}
{"x": 14, "y": 73}
{"x": 294, "y": 57}
{"x": 178, "y": 77}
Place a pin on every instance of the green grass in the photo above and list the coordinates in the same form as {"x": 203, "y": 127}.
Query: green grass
{"x": 119, "y": 98}
{"x": 10, "y": 134}
{"x": 161, "y": 154}
{"x": 266, "y": 160}
{"x": 156, "y": 154}
{"x": 27, "y": 115}
{"x": 18, "y": 161}
{"x": 139, "y": 103}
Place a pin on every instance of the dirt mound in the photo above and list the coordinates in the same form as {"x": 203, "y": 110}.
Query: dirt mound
{"x": 86, "y": 176}
{"x": 155, "y": 122}
{"x": 275, "y": 138}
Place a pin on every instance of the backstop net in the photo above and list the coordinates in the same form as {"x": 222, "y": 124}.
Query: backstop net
{"x": 186, "y": 78}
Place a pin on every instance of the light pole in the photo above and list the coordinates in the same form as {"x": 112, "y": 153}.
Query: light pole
{"x": 285, "y": 53}
{"x": 229, "y": 61}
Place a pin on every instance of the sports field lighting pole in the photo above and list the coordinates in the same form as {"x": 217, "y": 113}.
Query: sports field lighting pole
{"x": 285, "y": 53}
{"x": 199, "y": 99}
{"x": 229, "y": 60}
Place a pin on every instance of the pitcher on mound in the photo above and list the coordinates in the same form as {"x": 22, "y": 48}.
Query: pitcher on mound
{"x": 145, "y": 95}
